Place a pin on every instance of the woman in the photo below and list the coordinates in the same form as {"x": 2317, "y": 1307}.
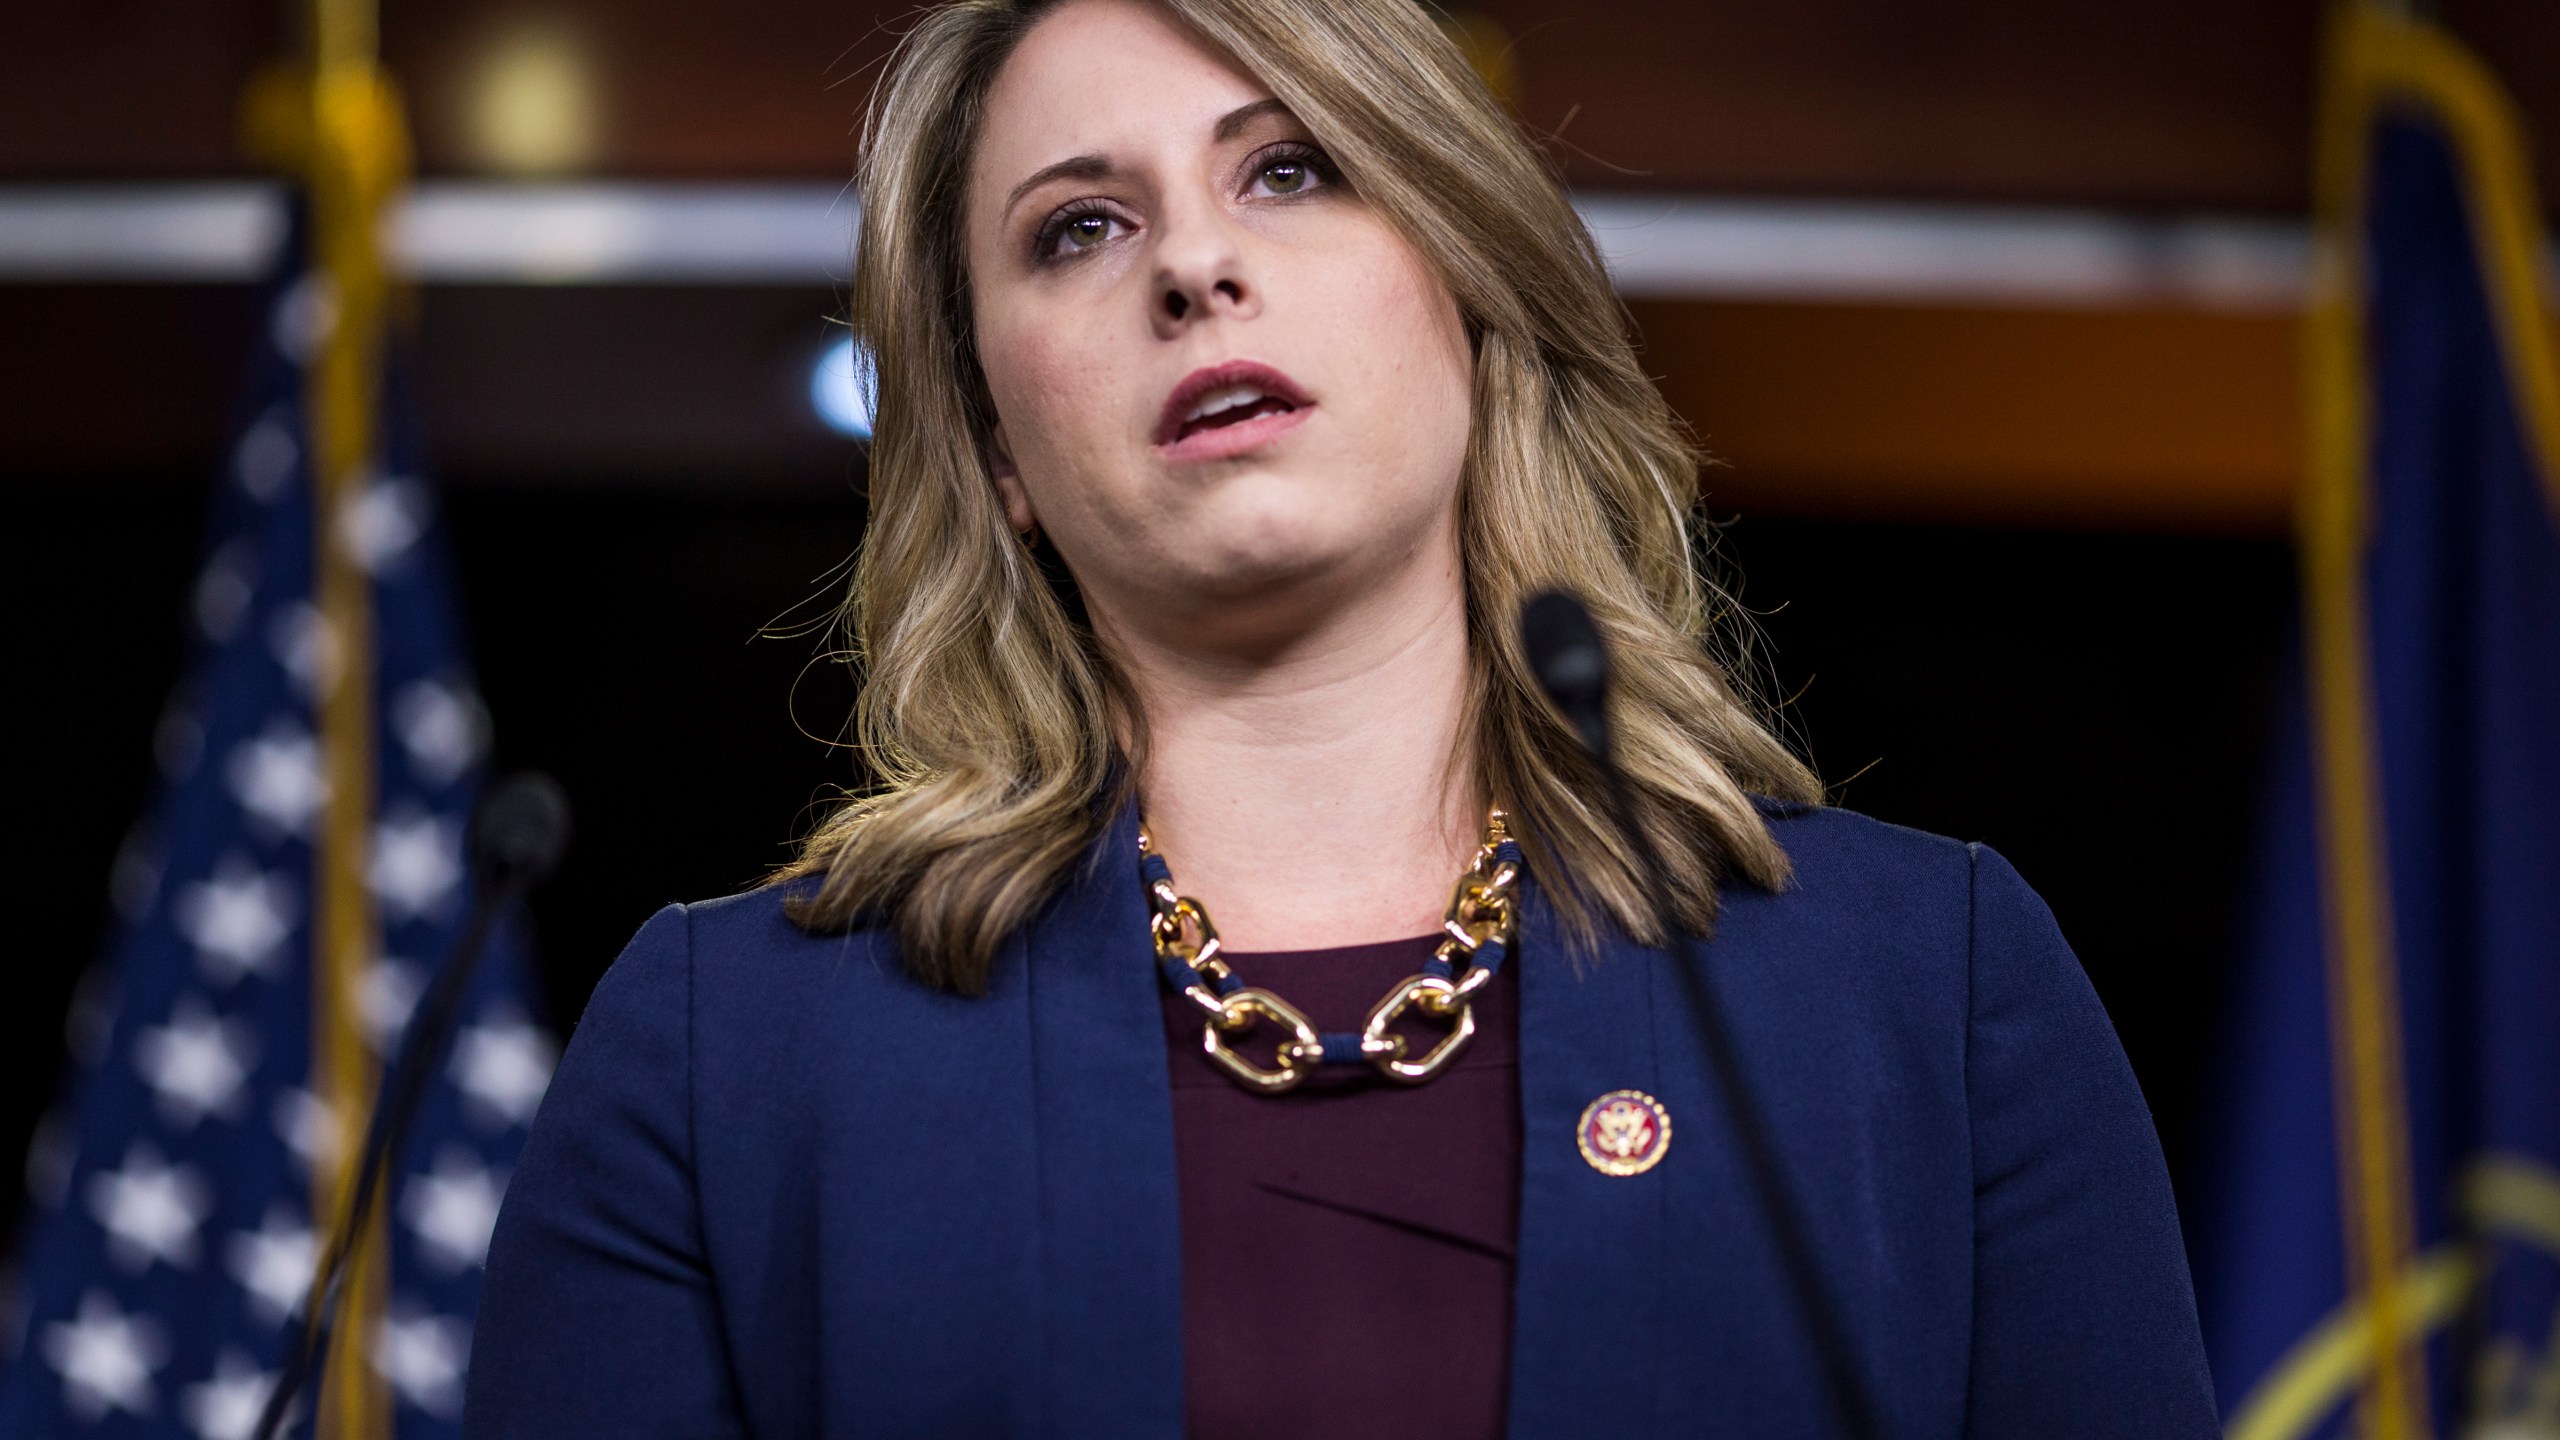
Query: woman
{"x": 1240, "y": 373}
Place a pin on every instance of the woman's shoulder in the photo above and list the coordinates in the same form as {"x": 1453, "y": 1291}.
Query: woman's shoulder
{"x": 1840, "y": 860}
{"x": 759, "y": 923}
{"x": 731, "y": 958}
{"x": 1842, "y": 856}
{"x": 1828, "y": 839}
{"x": 1868, "y": 896}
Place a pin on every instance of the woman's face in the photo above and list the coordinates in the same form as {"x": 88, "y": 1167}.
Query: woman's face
{"x": 1225, "y": 388}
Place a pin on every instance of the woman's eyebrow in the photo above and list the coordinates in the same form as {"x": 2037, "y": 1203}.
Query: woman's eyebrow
{"x": 1099, "y": 167}
{"x": 1232, "y": 124}
{"x": 1074, "y": 167}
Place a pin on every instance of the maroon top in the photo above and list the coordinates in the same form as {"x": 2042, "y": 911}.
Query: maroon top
{"x": 1347, "y": 1246}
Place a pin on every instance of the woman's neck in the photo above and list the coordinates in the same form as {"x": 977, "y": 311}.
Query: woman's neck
{"x": 1317, "y": 791}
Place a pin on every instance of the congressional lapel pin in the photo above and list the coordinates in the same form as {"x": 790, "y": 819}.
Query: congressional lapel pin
{"x": 1624, "y": 1133}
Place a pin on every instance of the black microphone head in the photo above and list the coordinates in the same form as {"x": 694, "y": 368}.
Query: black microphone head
{"x": 1571, "y": 662}
{"x": 522, "y": 828}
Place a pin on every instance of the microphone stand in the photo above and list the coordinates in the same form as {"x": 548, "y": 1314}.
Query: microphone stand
{"x": 1571, "y": 662}
{"x": 522, "y": 828}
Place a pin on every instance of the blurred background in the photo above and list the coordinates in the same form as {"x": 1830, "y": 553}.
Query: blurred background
{"x": 1988, "y": 307}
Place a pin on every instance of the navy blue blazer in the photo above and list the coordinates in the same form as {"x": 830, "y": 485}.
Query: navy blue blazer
{"x": 780, "y": 1189}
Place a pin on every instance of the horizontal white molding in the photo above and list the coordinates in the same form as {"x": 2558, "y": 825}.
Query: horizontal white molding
{"x": 193, "y": 231}
{"x": 628, "y": 233}
{"x": 1684, "y": 247}
{"x": 1656, "y": 246}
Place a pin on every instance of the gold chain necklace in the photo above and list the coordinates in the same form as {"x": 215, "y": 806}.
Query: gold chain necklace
{"x": 1483, "y": 919}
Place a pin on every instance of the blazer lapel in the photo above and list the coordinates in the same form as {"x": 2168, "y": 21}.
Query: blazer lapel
{"x": 1587, "y": 1309}
{"x": 1110, "y": 1217}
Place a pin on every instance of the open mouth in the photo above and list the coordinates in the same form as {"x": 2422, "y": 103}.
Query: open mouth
{"x": 1226, "y": 409}
{"x": 1229, "y": 405}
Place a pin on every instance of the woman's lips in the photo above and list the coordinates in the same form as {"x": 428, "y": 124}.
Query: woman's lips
{"x": 1224, "y": 410}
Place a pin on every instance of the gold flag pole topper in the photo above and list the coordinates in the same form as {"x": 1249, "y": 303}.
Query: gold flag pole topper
{"x": 333, "y": 120}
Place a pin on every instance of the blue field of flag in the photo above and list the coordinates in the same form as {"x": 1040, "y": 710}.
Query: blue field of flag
{"x": 173, "y": 1238}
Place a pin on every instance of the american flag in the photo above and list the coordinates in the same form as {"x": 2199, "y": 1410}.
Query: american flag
{"x": 174, "y": 1189}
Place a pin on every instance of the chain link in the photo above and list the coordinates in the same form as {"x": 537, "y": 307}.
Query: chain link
{"x": 1483, "y": 920}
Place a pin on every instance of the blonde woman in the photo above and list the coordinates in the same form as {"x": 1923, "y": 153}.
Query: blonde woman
{"x": 1241, "y": 370}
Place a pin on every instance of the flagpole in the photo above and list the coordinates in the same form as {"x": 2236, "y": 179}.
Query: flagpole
{"x": 2369, "y": 1101}
{"x": 354, "y": 166}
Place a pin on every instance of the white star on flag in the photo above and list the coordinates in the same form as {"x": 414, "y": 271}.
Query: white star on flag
{"x": 224, "y": 591}
{"x": 305, "y": 643}
{"x": 197, "y": 1063}
{"x": 227, "y": 1406}
{"x": 308, "y": 1129}
{"x": 275, "y": 1263}
{"x": 151, "y": 1211}
{"x": 105, "y": 1358}
{"x": 276, "y": 777}
{"x": 379, "y": 525}
{"x": 386, "y": 996}
{"x": 443, "y": 726}
{"x": 422, "y": 1356}
{"x": 265, "y": 455}
{"x": 417, "y": 862}
{"x": 237, "y": 920}
{"x": 503, "y": 1065}
{"x": 304, "y": 315}
{"x": 452, "y": 1209}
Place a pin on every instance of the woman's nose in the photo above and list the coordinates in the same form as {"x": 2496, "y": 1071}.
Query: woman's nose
{"x": 1200, "y": 274}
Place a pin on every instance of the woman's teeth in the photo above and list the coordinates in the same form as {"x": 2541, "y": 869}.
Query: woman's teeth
{"x": 1237, "y": 402}
{"x": 1218, "y": 402}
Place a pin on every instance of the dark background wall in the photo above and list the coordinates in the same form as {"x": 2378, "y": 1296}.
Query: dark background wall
{"x": 2092, "y": 704}
{"x": 2022, "y": 574}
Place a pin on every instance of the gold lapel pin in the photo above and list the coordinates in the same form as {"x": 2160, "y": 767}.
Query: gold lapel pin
{"x": 1624, "y": 1133}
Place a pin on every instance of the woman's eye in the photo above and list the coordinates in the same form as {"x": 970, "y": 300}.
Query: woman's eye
{"x": 1290, "y": 174}
{"x": 1075, "y": 234}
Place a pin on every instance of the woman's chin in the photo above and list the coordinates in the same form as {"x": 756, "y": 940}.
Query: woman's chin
{"x": 1265, "y": 588}
{"x": 1241, "y": 570}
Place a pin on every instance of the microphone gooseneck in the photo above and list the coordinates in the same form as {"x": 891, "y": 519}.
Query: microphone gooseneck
{"x": 517, "y": 839}
{"x": 1571, "y": 660}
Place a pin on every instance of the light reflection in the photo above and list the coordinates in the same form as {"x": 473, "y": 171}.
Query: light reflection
{"x": 842, "y": 388}
{"x": 534, "y": 109}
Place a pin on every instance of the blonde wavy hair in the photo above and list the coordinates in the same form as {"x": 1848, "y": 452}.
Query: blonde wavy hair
{"x": 991, "y": 721}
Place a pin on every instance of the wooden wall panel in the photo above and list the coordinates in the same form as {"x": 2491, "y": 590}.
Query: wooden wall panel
{"x": 2174, "y": 103}
{"x": 2162, "y": 420}
{"x": 127, "y": 88}
{"x": 2148, "y": 419}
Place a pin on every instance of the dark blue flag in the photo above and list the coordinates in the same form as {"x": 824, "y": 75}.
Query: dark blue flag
{"x": 2377, "y": 1227}
{"x": 182, "y": 1187}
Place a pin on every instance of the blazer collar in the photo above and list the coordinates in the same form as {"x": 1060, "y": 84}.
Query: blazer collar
{"x": 1110, "y": 1215}
{"x": 1587, "y": 1295}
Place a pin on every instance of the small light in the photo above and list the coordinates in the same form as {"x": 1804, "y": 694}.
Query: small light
{"x": 842, "y": 389}
{"x": 534, "y": 112}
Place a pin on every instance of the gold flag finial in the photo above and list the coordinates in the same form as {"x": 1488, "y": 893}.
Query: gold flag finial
{"x": 1488, "y": 49}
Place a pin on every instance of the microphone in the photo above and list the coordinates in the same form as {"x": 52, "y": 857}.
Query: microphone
{"x": 1571, "y": 662}
{"x": 522, "y": 830}
{"x": 517, "y": 839}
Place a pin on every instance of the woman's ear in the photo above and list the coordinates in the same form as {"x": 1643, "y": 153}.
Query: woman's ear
{"x": 1016, "y": 500}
